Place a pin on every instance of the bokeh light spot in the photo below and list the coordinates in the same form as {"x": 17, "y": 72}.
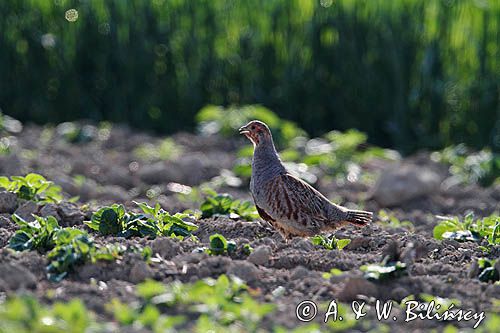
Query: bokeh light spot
{"x": 326, "y": 3}
{"x": 71, "y": 15}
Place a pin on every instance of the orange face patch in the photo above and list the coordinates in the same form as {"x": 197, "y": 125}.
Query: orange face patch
{"x": 252, "y": 137}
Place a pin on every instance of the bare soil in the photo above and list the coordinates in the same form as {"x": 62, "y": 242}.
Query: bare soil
{"x": 112, "y": 173}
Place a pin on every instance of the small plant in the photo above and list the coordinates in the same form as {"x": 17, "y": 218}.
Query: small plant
{"x": 332, "y": 272}
{"x": 466, "y": 166}
{"x": 5, "y": 145}
{"x": 220, "y": 245}
{"x": 76, "y": 133}
{"x": 70, "y": 251}
{"x": 224, "y": 303}
{"x": 37, "y": 235}
{"x": 66, "y": 247}
{"x": 153, "y": 222}
{"x": 169, "y": 225}
{"x": 32, "y": 187}
{"x": 217, "y": 204}
{"x": 387, "y": 269}
{"x": 247, "y": 249}
{"x": 23, "y": 314}
{"x": 166, "y": 150}
{"x": 339, "y": 153}
{"x": 330, "y": 242}
{"x": 487, "y": 270}
{"x": 470, "y": 229}
{"x": 388, "y": 219}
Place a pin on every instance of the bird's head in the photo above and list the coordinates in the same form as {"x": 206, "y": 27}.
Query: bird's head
{"x": 257, "y": 132}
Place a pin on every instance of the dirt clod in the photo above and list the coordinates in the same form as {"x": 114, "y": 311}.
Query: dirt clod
{"x": 15, "y": 276}
{"x": 260, "y": 256}
{"x": 244, "y": 270}
{"x": 8, "y": 202}
{"x": 167, "y": 248}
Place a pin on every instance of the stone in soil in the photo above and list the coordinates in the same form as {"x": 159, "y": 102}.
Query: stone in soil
{"x": 8, "y": 202}
{"x": 167, "y": 248}
{"x": 14, "y": 277}
{"x": 405, "y": 182}
{"x": 26, "y": 210}
{"x": 260, "y": 256}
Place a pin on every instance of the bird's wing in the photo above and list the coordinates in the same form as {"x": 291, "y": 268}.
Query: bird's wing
{"x": 294, "y": 199}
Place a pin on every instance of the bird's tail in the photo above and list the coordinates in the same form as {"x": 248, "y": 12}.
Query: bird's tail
{"x": 359, "y": 217}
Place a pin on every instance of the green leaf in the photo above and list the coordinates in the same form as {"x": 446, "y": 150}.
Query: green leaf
{"x": 231, "y": 246}
{"x": 56, "y": 277}
{"x": 150, "y": 289}
{"x": 123, "y": 313}
{"x": 25, "y": 193}
{"x": 147, "y": 253}
{"x": 4, "y": 182}
{"x": 109, "y": 224}
{"x": 446, "y": 226}
{"x": 461, "y": 236}
{"x": 146, "y": 208}
{"x": 149, "y": 315}
{"x": 21, "y": 241}
{"x": 19, "y": 220}
{"x": 218, "y": 244}
{"x": 384, "y": 272}
{"x": 341, "y": 243}
{"x": 247, "y": 249}
{"x": 225, "y": 204}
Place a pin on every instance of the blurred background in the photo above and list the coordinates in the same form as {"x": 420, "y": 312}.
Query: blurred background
{"x": 411, "y": 74}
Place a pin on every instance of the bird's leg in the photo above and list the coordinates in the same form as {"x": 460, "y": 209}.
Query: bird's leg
{"x": 285, "y": 237}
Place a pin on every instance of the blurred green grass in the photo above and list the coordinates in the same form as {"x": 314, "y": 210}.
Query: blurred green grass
{"x": 409, "y": 73}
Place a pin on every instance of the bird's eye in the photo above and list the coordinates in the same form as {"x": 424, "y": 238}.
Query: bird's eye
{"x": 252, "y": 127}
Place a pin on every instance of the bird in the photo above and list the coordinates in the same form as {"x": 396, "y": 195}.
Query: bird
{"x": 292, "y": 207}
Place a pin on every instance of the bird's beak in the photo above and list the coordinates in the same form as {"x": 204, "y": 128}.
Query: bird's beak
{"x": 243, "y": 130}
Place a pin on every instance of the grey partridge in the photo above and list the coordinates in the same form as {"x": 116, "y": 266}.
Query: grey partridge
{"x": 290, "y": 205}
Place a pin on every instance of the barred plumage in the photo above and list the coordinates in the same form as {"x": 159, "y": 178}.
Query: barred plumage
{"x": 289, "y": 204}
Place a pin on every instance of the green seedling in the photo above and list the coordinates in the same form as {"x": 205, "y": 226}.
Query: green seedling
{"x": 470, "y": 229}
{"x": 330, "y": 242}
{"x": 32, "y": 187}
{"x": 467, "y": 166}
{"x": 247, "y": 249}
{"x": 66, "y": 247}
{"x": 68, "y": 253}
{"x": 38, "y": 235}
{"x": 79, "y": 249}
{"x": 388, "y": 219}
{"x": 339, "y": 153}
{"x": 166, "y": 150}
{"x": 220, "y": 245}
{"x": 152, "y": 222}
{"x": 387, "y": 269}
{"x": 332, "y": 272}
{"x": 223, "y": 302}
{"x": 76, "y": 133}
{"x": 216, "y": 204}
{"x": 24, "y": 314}
{"x": 383, "y": 272}
{"x": 487, "y": 270}
{"x": 5, "y": 146}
